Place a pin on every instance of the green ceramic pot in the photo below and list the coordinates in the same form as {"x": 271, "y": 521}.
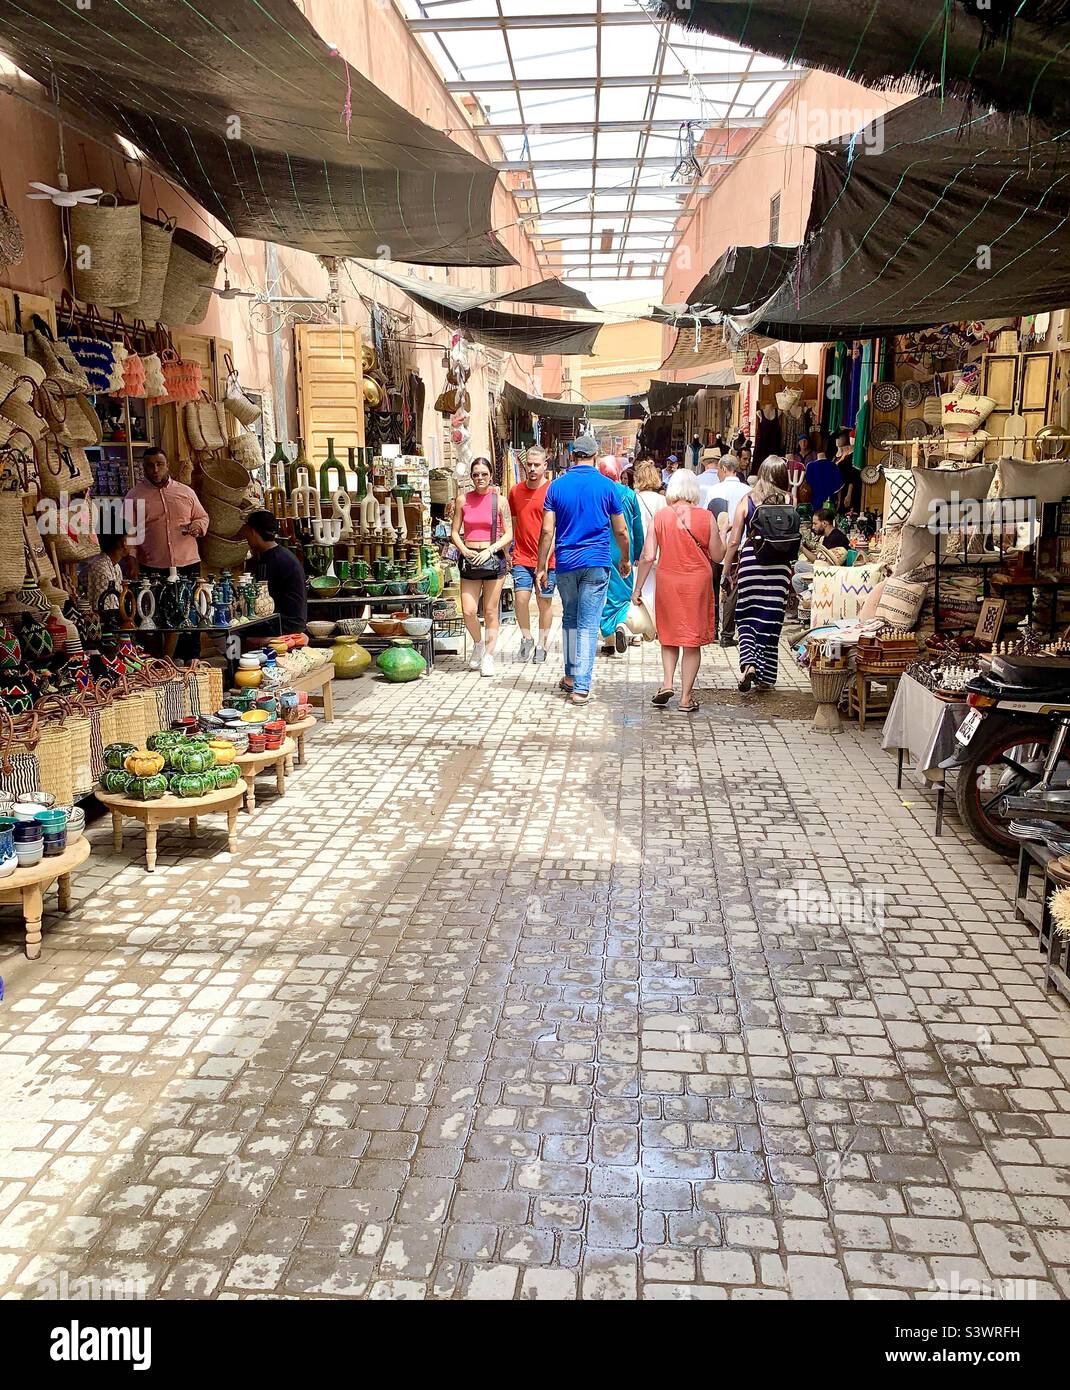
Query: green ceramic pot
{"x": 191, "y": 758}
{"x": 401, "y": 662}
{"x": 350, "y": 658}
{"x": 115, "y": 755}
{"x": 147, "y": 788}
{"x": 164, "y": 741}
{"x": 192, "y": 783}
{"x": 227, "y": 776}
{"x": 115, "y": 781}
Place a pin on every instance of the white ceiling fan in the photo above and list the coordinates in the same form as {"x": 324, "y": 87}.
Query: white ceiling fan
{"x": 63, "y": 196}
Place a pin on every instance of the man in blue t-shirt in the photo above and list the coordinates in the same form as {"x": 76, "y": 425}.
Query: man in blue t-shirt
{"x": 581, "y": 510}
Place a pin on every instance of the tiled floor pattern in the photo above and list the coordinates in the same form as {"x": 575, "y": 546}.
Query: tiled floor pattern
{"x": 509, "y": 1000}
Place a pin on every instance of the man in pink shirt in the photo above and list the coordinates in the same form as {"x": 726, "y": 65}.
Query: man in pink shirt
{"x": 168, "y": 517}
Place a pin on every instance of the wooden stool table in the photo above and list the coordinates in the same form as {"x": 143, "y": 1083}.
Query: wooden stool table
{"x": 153, "y": 814}
{"x": 317, "y": 684}
{"x": 297, "y": 731}
{"x": 860, "y": 697}
{"x": 252, "y": 764}
{"x": 29, "y": 886}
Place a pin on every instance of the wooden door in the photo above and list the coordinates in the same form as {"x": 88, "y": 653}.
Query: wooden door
{"x": 999, "y": 379}
{"x": 330, "y": 388}
{"x": 1034, "y": 394}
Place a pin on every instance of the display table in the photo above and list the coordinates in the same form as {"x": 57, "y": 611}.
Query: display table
{"x": 923, "y": 726}
{"x": 297, "y": 731}
{"x": 318, "y": 685}
{"x": 29, "y": 886}
{"x": 1037, "y": 912}
{"x": 153, "y": 814}
{"x": 252, "y": 764}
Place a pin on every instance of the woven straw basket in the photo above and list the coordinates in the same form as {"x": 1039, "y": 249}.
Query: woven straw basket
{"x": 191, "y": 273}
{"x": 106, "y": 252}
{"x": 155, "y": 258}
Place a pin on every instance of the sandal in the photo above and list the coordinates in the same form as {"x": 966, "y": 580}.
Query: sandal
{"x": 565, "y": 685}
{"x": 746, "y": 680}
{"x": 689, "y": 709}
{"x": 580, "y": 697}
{"x": 662, "y": 698}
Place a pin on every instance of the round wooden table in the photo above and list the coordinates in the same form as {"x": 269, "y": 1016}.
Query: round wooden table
{"x": 297, "y": 731}
{"x": 252, "y": 764}
{"x": 29, "y": 886}
{"x": 153, "y": 814}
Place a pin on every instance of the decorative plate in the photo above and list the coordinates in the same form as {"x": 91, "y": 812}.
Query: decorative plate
{"x": 913, "y": 395}
{"x": 1045, "y": 447}
{"x": 883, "y": 434}
{"x": 916, "y": 429}
{"x": 892, "y": 459}
{"x": 872, "y": 473}
{"x": 886, "y": 396}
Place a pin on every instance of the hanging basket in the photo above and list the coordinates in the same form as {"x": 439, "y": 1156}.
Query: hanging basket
{"x": 156, "y": 239}
{"x": 106, "y": 252}
{"x": 191, "y": 273}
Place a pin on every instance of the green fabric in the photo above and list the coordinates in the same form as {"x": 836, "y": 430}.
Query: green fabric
{"x": 619, "y": 593}
{"x": 838, "y": 374}
{"x": 862, "y": 419}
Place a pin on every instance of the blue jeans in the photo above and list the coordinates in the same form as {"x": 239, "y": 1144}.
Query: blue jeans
{"x": 583, "y": 596}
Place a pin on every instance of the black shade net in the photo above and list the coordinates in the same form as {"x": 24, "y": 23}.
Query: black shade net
{"x": 243, "y": 104}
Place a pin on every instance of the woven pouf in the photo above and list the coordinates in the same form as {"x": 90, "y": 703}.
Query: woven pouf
{"x": 828, "y": 688}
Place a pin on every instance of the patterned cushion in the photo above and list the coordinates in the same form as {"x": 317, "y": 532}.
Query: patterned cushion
{"x": 898, "y": 495}
{"x": 900, "y": 603}
{"x": 840, "y": 591}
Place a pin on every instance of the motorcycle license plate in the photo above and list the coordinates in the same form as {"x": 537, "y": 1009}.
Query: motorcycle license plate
{"x": 968, "y": 727}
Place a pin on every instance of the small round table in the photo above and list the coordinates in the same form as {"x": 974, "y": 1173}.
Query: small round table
{"x": 153, "y": 814}
{"x": 29, "y": 886}
{"x": 297, "y": 730}
{"x": 252, "y": 764}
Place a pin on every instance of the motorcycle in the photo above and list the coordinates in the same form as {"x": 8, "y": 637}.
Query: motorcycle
{"x": 1012, "y": 752}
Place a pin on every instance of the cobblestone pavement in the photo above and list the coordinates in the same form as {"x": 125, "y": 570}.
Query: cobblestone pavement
{"x": 511, "y": 1000}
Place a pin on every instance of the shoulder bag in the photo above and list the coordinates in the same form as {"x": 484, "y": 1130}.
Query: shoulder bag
{"x": 491, "y": 566}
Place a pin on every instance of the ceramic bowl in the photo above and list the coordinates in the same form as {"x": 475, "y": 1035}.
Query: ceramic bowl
{"x": 52, "y": 822}
{"x": 249, "y": 662}
{"x": 229, "y": 716}
{"x": 353, "y": 627}
{"x": 9, "y": 865}
{"x": 75, "y": 823}
{"x": 28, "y": 811}
{"x": 375, "y": 590}
{"x": 55, "y": 844}
{"x": 417, "y": 627}
{"x": 256, "y": 716}
{"x": 321, "y": 630}
{"x": 325, "y": 586}
{"x": 385, "y": 627}
{"x": 30, "y": 852}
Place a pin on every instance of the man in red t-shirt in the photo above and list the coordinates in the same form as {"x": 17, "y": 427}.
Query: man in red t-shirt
{"x": 526, "y": 504}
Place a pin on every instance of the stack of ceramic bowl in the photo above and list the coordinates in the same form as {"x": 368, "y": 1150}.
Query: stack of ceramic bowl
{"x": 250, "y": 672}
{"x": 257, "y": 741}
{"x": 54, "y": 825}
{"x": 29, "y": 836}
{"x": 75, "y": 823}
{"x": 274, "y": 733}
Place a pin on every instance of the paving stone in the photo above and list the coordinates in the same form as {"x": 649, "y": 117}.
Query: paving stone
{"x": 406, "y": 1045}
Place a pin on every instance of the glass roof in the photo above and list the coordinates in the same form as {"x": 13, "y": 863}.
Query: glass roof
{"x": 596, "y": 106}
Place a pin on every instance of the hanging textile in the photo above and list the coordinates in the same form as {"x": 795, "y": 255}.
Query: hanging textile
{"x": 865, "y": 381}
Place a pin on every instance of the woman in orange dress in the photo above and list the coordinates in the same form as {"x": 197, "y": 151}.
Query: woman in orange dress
{"x": 685, "y": 545}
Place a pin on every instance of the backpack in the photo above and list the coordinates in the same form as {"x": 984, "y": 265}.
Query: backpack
{"x": 775, "y": 534}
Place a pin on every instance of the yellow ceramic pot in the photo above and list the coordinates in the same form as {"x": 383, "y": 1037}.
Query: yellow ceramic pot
{"x": 225, "y": 751}
{"x": 350, "y": 658}
{"x": 248, "y": 679}
{"x": 144, "y": 763}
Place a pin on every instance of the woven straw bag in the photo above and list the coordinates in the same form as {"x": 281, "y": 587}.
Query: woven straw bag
{"x": 62, "y": 469}
{"x": 80, "y": 727}
{"x": 154, "y": 382}
{"x": 237, "y": 403}
{"x": 191, "y": 273}
{"x": 106, "y": 252}
{"x": 20, "y": 771}
{"x": 59, "y": 362}
{"x": 156, "y": 237}
{"x": 133, "y": 382}
{"x": 80, "y": 423}
{"x": 245, "y": 449}
{"x": 54, "y": 749}
{"x": 75, "y": 538}
{"x": 12, "y": 246}
{"x": 206, "y": 423}
{"x": 129, "y": 714}
{"x": 24, "y": 407}
{"x": 12, "y": 543}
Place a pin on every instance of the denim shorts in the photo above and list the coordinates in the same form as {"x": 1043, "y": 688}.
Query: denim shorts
{"x": 524, "y": 578}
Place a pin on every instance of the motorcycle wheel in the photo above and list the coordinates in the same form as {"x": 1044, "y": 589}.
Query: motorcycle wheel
{"x": 975, "y": 804}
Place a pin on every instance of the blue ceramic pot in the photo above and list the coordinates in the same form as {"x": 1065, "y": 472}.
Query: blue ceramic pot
{"x": 7, "y": 839}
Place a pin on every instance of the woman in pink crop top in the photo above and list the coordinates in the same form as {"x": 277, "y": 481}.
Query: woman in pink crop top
{"x": 482, "y": 533}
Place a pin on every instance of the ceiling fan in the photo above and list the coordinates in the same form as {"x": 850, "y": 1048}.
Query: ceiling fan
{"x": 63, "y": 196}
{"x": 230, "y": 291}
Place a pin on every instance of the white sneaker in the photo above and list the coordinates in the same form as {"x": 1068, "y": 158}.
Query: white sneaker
{"x": 486, "y": 666}
{"x": 527, "y": 646}
{"x": 476, "y": 659}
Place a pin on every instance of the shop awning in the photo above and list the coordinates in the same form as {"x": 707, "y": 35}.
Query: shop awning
{"x": 243, "y": 104}
{"x": 965, "y": 215}
{"x": 517, "y": 400}
{"x": 616, "y": 408}
{"x": 1013, "y": 56}
{"x": 664, "y": 396}
{"x": 698, "y": 344}
{"x": 521, "y": 333}
{"x": 552, "y": 292}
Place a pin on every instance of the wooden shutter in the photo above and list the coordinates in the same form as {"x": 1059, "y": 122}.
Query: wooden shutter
{"x": 330, "y": 388}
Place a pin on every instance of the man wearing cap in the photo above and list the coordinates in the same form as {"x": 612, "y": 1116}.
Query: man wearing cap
{"x": 581, "y": 512}
{"x": 672, "y": 463}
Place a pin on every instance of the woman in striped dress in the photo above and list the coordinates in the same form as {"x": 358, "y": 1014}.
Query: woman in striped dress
{"x": 762, "y": 590}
